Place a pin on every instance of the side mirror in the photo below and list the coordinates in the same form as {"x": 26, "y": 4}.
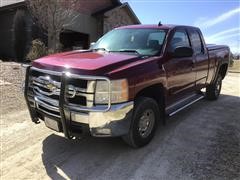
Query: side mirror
{"x": 183, "y": 52}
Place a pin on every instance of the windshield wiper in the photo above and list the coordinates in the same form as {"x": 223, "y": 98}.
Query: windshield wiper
{"x": 100, "y": 49}
{"x": 121, "y": 50}
{"x": 127, "y": 50}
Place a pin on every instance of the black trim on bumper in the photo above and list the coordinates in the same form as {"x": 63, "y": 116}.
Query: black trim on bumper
{"x": 33, "y": 113}
{"x": 65, "y": 123}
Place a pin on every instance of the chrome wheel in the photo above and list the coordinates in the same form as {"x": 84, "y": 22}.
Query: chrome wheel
{"x": 146, "y": 123}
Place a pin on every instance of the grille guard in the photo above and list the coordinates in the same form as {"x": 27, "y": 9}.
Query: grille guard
{"x": 65, "y": 76}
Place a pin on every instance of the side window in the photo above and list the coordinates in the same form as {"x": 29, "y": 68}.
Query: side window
{"x": 197, "y": 44}
{"x": 180, "y": 38}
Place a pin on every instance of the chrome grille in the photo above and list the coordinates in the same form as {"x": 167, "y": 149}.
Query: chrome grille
{"x": 44, "y": 92}
{"x": 79, "y": 95}
{"x": 45, "y": 88}
{"x": 45, "y": 85}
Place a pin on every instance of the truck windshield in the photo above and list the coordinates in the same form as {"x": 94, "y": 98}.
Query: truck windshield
{"x": 147, "y": 42}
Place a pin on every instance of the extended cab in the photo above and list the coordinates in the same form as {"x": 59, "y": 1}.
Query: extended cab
{"x": 126, "y": 83}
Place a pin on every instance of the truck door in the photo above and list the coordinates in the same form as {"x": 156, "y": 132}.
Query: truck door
{"x": 179, "y": 70}
{"x": 200, "y": 57}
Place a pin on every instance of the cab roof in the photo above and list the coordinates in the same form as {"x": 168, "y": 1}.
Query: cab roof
{"x": 153, "y": 26}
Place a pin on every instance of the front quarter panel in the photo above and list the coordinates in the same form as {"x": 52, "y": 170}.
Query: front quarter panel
{"x": 141, "y": 74}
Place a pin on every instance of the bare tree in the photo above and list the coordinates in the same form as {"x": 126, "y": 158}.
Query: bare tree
{"x": 52, "y": 16}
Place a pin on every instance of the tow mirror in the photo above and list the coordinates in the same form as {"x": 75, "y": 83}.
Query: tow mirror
{"x": 183, "y": 52}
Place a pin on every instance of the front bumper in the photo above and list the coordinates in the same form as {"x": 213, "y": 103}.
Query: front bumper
{"x": 102, "y": 121}
{"x": 115, "y": 122}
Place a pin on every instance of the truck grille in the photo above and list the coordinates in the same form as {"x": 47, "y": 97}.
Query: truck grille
{"x": 44, "y": 92}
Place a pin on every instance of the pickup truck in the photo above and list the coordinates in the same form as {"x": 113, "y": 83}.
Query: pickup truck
{"x": 127, "y": 83}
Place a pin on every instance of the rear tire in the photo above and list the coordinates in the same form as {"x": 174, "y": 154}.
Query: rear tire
{"x": 144, "y": 122}
{"x": 213, "y": 90}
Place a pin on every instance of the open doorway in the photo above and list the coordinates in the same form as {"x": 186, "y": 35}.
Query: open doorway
{"x": 72, "y": 40}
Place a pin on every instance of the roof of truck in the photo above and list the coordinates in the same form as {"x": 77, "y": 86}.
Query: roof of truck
{"x": 153, "y": 26}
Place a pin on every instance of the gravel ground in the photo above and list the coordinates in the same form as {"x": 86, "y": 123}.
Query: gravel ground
{"x": 11, "y": 79}
{"x": 201, "y": 142}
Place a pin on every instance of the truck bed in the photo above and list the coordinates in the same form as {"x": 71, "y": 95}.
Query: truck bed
{"x": 211, "y": 47}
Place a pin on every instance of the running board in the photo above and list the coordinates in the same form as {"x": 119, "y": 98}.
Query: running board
{"x": 182, "y": 104}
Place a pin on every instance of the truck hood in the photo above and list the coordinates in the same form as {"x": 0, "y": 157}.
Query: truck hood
{"x": 85, "y": 61}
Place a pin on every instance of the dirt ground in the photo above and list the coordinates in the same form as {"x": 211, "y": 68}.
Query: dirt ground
{"x": 201, "y": 142}
{"x": 11, "y": 80}
{"x": 236, "y": 66}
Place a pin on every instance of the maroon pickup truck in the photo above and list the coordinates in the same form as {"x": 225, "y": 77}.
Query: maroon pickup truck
{"x": 130, "y": 80}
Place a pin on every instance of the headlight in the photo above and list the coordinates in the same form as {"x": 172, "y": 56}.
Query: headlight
{"x": 119, "y": 91}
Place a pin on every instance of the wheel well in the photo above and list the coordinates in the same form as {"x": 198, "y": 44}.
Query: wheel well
{"x": 223, "y": 70}
{"x": 155, "y": 92}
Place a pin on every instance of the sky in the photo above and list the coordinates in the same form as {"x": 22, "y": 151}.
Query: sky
{"x": 7, "y": 2}
{"x": 219, "y": 20}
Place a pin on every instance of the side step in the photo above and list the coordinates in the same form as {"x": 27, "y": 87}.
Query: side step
{"x": 182, "y": 104}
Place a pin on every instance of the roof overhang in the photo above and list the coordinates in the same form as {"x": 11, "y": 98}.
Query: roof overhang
{"x": 126, "y": 5}
{"x": 14, "y": 6}
{"x": 118, "y": 6}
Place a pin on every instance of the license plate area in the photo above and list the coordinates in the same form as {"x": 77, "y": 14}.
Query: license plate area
{"x": 52, "y": 124}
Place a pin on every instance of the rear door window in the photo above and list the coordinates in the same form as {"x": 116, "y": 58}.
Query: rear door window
{"x": 180, "y": 39}
{"x": 196, "y": 41}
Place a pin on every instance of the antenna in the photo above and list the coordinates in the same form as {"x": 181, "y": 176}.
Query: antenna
{"x": 159, "y": 24}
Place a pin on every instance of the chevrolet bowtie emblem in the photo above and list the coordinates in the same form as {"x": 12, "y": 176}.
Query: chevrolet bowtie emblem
{"x": 51, "y": 87}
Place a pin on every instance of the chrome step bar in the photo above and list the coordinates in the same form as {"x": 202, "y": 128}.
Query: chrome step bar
{"x": 182, "y": 104}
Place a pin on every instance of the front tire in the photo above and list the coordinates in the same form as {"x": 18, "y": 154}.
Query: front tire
{"x": 213, "y": 90}
{"x": 144, "y": 121}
